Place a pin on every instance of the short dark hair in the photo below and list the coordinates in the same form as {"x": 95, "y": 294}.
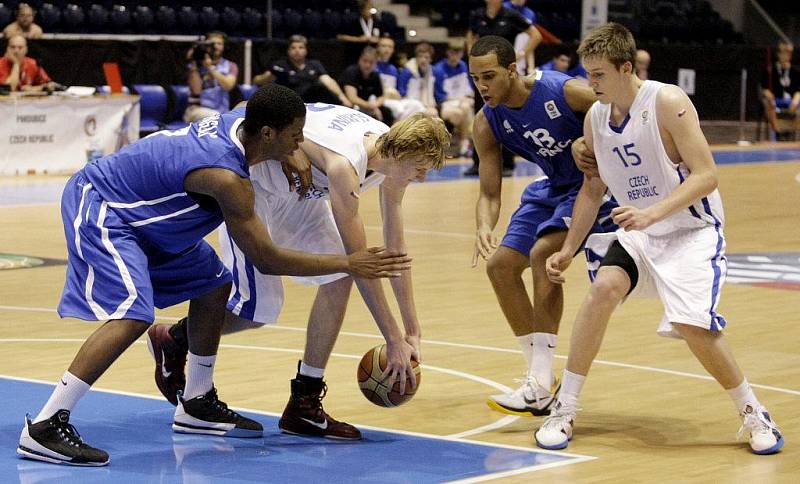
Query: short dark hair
{"x": 274, "y": 106}
{"x": 494, "y": 43}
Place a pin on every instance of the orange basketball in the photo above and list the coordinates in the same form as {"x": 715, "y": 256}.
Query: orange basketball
{"x": 369, "y": 380}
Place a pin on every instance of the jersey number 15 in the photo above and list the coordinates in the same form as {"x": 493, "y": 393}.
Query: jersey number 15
{"x": 630, "y": 158}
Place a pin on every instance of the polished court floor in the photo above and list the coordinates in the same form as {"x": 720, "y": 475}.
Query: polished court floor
{"x": 650, "y": 413}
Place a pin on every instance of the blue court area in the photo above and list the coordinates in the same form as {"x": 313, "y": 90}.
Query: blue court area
{"x": 137, "y": 433}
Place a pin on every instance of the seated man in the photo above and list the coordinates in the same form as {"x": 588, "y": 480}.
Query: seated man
{"x": 418, "y": 80}
{"x": 307, "y": 77}
{"x": 24, "y": 25}
{"x": 348, "y": 153}
{"x": 211, "y": 77}
{"x": 401, "y": 108}
{"x": 458, "y": 107}
{"x": 780, "y": 92}
{"x": 362, "y": 86}
{"x": 20, "y": 72}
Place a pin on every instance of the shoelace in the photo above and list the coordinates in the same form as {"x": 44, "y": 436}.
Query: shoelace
{"x": 214, "y": 400}
{"x": 559, "y": 417}
{"x": 69, "y": 433}
{"x": 527, "y": 382}
{"x": 315, "y": 401}
{"x": 754, "y": 423}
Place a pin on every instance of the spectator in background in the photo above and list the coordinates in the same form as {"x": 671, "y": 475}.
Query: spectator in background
{"x": 642, "y": 64}
{"x": 24, "y": 24}
{"x": 362, "y": 86}
{"x": 780, "y": 91}
{"x": 560, "y": 61}
{"x": 458, "y": 107}
{"x": 211, "y": 77}
{"x": 419, "y": 81}
{"x": 21, "y": 72}
{"x": 507, "y": 23}
{"x": 366, "y": 29}
{"x": 307, "y": 77}
{"x": 523, "y": 38}
{"x": 389, "y": 74}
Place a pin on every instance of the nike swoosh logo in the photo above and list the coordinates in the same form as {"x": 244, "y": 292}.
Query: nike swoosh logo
{"x": 323, "y": 425}
{"x": 551, "y": 346}
{"x": 164, "y": 371}
{"x": 207, "y": 366}
{"x": 221, "y": 271}
{"x": 63, "y": 383}
{"x": 526, "y": 125}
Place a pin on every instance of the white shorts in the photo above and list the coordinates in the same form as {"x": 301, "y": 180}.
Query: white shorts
{"x": 684, "y": 269}
{"x": 304, "y": 225}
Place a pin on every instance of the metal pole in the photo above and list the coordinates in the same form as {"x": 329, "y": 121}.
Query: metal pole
{"x": 269, "y": 19}
{"x": 248, "y": 61}
{"x": 743, "y": 109}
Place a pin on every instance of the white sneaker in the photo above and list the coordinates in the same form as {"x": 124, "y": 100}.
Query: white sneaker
{"x": 556, "y": 431}
{"x": 529, "y": 399}
{"x": 765, "y": 436}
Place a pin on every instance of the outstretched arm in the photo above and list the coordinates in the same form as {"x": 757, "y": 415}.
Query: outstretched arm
{"x": 235, "y": 197}
{"x": 487, "y": 210}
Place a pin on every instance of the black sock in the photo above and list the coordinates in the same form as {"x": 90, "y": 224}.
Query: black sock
{"x": 178, "y": 333}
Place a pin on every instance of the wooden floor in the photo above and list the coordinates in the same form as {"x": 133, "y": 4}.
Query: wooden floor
{"x": 650, "y": 413}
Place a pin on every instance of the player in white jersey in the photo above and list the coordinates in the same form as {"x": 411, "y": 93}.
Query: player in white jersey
{"x": 653, "y": 157}
{"x": 348, "y": 152}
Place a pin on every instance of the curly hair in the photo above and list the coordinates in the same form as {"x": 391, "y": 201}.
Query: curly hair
{"x": 274, "y": 106}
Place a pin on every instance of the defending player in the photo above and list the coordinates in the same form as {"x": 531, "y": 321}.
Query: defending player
{"x": 537, "y": 118}
{"x": 653, "y": 157}
{"x": 134, "y": 223}
{"x": 348, "y": 152}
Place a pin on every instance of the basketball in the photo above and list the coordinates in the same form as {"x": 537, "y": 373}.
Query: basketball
{"x": 369, "y": 380}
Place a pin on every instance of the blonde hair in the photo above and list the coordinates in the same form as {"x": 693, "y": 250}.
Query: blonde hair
{"x": 612, "y": 42}
{"x": 418, "y": 136}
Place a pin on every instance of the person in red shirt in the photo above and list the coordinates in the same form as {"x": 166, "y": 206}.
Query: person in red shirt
{"x": 20, "y": 72}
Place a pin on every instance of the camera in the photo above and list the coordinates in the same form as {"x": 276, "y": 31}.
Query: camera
{"x": 200, "y": 50}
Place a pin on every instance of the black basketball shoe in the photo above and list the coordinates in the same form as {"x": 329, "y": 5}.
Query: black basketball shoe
{"x": 304, "y": 415}
{"x": 55, "y": 440}
{"x": 206, "y": 414}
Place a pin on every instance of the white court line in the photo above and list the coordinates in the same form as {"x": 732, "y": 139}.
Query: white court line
{"x": 482, "y": 348}
{"x": 460, "y": 374}
{"x": 571, "y": 458}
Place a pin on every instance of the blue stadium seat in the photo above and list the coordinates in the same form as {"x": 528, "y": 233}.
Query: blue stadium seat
{"x": 189, "y": 20}
{"x": 98, "y": 18}
{"x": 6, "y": 15}
{"x": 153, "y": 103}
{"x": 209, "y": 19}
{"x": 120, "y": 18}
{"x": 166, "y": 19}
{"x": 175, "y": 120}
{"x": 73, "y": 17}
{"x": 312, "y": 24}
{"x": 253, "y": 22}
{"x": 231, "y": 19}
{"x": 292, "y": 21}
{"x": 48, "y": 17}
{"x": 143, "y": 19}
{"x": 247, "y": 90}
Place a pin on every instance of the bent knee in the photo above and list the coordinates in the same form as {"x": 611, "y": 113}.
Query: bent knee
{"x": 611, "y": 285}
{"x": 506, "y": 263}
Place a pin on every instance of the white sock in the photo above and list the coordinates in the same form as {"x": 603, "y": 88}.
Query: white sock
{"x": 66, "y": 394}
{"x": 526, "y": 343}
{"x": 199, "y": 375}
{"x": 311, "y": 371}
{"x": 742, "y": 395}
{"x": 544, "y": 350}
{"x": 571, "y": 385}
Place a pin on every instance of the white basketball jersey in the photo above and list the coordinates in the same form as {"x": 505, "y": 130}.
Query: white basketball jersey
{"x": 634, "y": 164}
{"x": 338, "y": 129}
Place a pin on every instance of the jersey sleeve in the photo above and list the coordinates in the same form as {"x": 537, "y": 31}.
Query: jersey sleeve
{"x": 402, "y": 81}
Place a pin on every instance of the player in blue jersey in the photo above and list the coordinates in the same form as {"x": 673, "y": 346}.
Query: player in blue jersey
{"x": 538, "y": 118}
{"x": 134, "y": 224}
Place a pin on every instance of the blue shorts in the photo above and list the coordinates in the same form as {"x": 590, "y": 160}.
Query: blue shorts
{"x": 112, "y": 273}
{"x": 545, "y": 208}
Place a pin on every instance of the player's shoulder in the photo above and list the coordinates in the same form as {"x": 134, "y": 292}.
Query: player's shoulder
{"x": 670, "y": 97}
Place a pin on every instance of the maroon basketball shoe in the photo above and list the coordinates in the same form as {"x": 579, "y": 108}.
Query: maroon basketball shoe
{"x": 170, "y": 361}
{"x": 304, "y": 415}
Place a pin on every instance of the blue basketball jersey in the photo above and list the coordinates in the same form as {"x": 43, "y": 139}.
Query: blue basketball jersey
{"x": 143, "y": 182}
{"x": 542, "y": 130}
